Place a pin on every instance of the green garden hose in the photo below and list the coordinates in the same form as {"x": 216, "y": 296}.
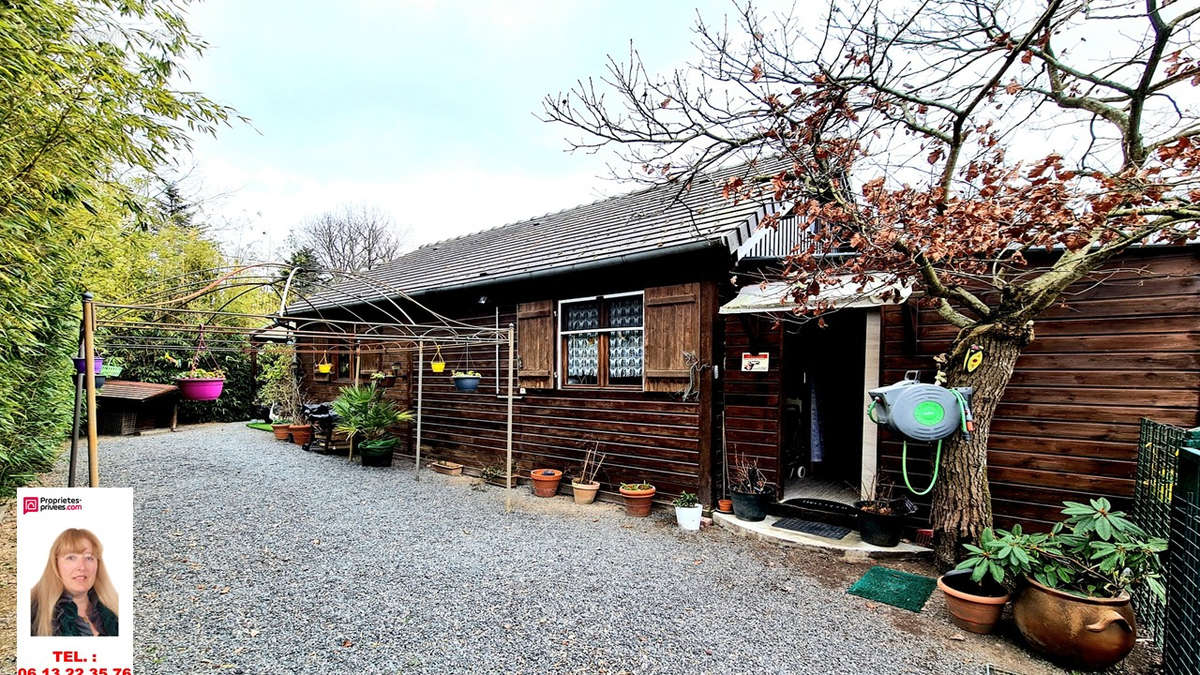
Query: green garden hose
{"x": 937, "y": 460}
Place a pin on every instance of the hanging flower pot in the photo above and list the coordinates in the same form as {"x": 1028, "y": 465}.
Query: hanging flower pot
{"x": 97, "y": 363}
{"x": 201, "y": 385}
{"x": 324, "y": 368}
{"x": 437, "y": 364}
{"x": 466, "y": 380}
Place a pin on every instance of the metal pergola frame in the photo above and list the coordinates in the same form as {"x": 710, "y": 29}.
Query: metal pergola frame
{"x": 122, "y": 323}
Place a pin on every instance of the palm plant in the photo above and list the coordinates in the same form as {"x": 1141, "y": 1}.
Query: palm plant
{"x": 365, "y": 414}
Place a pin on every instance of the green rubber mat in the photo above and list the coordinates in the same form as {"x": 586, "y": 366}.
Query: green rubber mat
{"x": 895, "y": 588}
{"x": 259, "y": 425}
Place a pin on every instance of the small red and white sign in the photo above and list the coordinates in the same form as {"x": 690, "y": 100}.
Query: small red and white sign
{"x": 755, "y": 363}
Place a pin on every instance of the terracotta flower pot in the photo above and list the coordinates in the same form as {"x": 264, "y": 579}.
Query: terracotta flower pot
{"x": 1086, "y": 633}
{"x": 447, "y": 468}
{"x": 281, "y": 431}
{"x": 545, "y": 481}
{"x": 585, "y": 493}
{"x": 301, "y": 433}
{"x": 974, "y": 607}
{"x": 725, "y": 505}
{"x": 638, "y": 502}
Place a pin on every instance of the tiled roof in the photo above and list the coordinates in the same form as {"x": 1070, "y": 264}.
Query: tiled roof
{"x": 134, "y": 391}
{"x": 655, "y": 219}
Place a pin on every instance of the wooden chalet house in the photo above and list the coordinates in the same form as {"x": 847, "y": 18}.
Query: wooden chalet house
{"x": 632, "y": 336}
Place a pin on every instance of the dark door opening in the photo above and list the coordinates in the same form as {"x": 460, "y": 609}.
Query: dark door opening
{"x": 823, "y": 407}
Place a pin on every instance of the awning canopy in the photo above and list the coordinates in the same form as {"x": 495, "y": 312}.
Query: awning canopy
{"x": 843, "y": 293}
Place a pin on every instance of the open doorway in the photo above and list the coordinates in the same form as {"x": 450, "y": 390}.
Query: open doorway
{"x": 822, "y": 444}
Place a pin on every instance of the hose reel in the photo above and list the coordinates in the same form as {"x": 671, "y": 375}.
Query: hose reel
{"x": 921, "y": 412}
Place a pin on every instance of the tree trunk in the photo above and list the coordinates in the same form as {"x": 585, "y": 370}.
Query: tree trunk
{"x": 962, "y": 499}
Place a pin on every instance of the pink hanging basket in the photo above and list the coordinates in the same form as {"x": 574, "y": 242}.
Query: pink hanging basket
{"x": 201, "y": 389}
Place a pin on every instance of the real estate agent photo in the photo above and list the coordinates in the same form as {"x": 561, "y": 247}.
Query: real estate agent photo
{"x": 74, "y": 596}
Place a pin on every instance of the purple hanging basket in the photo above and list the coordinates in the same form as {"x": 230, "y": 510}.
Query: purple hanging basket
{"x": 97, "y": 363}
{"x": 201, "y": 389}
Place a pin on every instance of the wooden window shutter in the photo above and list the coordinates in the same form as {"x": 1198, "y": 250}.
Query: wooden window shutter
{"x": 535, "y": 344}
{"x": 672, "y": 328}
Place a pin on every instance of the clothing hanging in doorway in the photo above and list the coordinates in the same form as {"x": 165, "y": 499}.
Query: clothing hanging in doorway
{"x": 816, "y": 439}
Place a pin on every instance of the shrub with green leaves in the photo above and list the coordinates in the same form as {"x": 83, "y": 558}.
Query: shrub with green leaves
{"x": 686, "y": 500}
{"x": 1095, "y": 552}
{"x": 365, "y": 414}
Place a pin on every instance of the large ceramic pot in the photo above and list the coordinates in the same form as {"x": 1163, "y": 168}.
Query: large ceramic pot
{"x": 281, "y": 431}
{"x": 751, "y": 507}
{"x": 1080, "y": 632}
{"x": 973, "y": 606}
{"x": 545, "y": 481}
{"x": 638, "y": 502}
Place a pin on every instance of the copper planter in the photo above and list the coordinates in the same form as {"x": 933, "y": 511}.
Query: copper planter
{"x": 1085, "y": 633}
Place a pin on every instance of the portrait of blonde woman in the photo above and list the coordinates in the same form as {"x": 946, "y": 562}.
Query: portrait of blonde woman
{"x": 75, "y": 596}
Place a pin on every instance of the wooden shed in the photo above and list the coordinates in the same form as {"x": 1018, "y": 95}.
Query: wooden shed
{"x": 633, "y": 336}
{"x": 126, "y": 407}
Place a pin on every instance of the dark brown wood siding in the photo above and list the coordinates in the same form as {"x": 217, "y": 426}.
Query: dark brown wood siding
{"x": 650, "y": 436}
{"x": 753, "y": 400}
{"x": 1067, "y": 427}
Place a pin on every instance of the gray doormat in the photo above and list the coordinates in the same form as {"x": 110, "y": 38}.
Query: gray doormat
{"x": 809, "y": 527}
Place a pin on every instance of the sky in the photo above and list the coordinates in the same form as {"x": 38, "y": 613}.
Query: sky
{"x": 424, "y": 109}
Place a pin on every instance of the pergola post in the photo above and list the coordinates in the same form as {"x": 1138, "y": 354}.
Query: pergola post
{"x": 420, "y": 391}
{"x": 75, "y": 414}
{"x": 508, "y": 440}
{"x": 89, "y": 380}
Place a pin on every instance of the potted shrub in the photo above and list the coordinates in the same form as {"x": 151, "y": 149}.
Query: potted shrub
{"x": 881, "y": 520}
{"x": 279, "y": 388}
{"x": 750, "y": 491}
{"x": 585, "y": 486}
{"x": 687, "y": 511}
{"x": 545, "y": 481}
{"x": 199, "y": 384}
{"x": 638, "y": 498}
{"x": 975, "y": 602}
{"x": 365, "y": 416}
{"x": 1074, "y": 605}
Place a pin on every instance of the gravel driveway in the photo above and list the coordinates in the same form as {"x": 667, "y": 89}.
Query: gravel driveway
{"x": 253, "y": 557}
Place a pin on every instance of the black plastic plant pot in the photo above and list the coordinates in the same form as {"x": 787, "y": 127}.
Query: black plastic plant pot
{"x": 377, "y": 453}
{"x": 463, "y": 383}
{"x": 749, "y": 507}
{"x": 879, "y": 529}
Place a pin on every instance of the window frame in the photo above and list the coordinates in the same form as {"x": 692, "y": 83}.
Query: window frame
{"x": 602, "y": 347}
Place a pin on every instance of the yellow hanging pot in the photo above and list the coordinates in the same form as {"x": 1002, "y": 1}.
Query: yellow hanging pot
{"x": 324, "y": 368}
{"x": 437, "y": 364}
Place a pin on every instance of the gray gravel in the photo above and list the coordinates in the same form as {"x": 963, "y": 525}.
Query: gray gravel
{"x": 254, "y": 557}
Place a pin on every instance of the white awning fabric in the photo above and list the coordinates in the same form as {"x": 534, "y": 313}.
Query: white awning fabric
{"x": 841, "y": 294}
